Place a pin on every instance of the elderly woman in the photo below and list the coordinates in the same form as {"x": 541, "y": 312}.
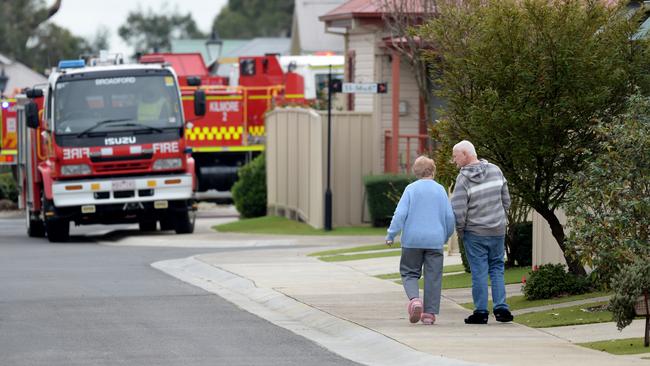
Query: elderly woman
{"x": 426, "y": 220}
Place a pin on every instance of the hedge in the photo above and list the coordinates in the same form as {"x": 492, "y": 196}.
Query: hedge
{"x": 383, "y": 194}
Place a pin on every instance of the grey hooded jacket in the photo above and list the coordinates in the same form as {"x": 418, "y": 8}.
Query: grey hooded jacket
{"x": 481, "y": 200}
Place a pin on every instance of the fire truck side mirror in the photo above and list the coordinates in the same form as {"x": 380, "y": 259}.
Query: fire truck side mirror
{"x": 199, "y": 102}
{"x": 31, "y": 115}
{"x": 33, "y": 93}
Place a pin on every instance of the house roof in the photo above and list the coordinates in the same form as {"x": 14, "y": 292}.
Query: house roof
{"x": 370, "y": 9}
{"x": 308, "y": 33}
{"x": 20, "y": 76}
{"x": 254, "y": 47}
{"x": 354, "y": 9}
{"x": 209, "y": 50}
{"x": 262, "y": 46}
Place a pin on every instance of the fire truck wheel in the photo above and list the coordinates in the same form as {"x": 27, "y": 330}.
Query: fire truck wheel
{"x": 35, "y": 228}
{"x": 147, "y": 225}
{"x": 58, "y": 230}
{"x": 185, "y": 222}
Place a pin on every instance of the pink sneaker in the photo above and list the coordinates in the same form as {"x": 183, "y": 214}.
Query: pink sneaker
{"x": 415, "y": 310}
{"x": 427, "y": 318}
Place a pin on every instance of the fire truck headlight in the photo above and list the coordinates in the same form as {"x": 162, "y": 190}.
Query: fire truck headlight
{"x": 164, "y": 164}
{"x": 77, "y": 169}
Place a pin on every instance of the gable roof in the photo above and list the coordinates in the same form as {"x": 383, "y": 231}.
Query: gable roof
{"x": 372, "y": 9}
{"x": 354, "y": 9}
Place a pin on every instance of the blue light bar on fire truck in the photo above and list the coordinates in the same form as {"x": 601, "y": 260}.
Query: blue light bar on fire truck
{"x": 71, "y": 64}
{"x": 5, "y": 104}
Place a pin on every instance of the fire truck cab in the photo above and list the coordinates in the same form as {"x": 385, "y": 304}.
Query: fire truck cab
{"x": 104, "y": 144}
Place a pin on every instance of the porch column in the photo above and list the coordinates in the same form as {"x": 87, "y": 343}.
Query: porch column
{"x": 394, "y": 142}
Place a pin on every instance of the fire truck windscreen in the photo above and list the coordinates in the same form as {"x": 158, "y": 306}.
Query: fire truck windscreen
{"x": 138, "y": 104}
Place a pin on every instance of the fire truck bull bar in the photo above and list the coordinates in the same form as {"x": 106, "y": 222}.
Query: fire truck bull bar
{"x": 124, "y": 190}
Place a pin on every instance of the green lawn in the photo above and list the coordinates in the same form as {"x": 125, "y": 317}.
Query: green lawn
{"x": 629, "y": 346}
{"x": 574, "y": 315}
{"x": 283, "y": 226}
{"x": 520, "y": 302}
{"x": 374, "y": 251}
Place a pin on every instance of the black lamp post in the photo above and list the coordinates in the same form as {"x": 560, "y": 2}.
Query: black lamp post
{"x": 3, "y": 81}
{"x": 328, "y": 189}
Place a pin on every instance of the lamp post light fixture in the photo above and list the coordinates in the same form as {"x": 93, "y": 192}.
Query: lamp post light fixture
{"x": 3, "y": 81}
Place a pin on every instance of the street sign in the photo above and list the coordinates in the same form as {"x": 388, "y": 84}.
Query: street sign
{"x": 336, "y": 86}
{"x": 364, "y": 88}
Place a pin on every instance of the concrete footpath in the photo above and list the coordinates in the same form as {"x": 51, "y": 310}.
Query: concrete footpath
{"x": 347, "y": 310}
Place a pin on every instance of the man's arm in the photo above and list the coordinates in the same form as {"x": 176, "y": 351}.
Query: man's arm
{"x": 505, "y": 196}
{"x": 459, "y": 200}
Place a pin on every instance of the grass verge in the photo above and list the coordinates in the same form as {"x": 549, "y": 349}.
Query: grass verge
{"x": 276, "y": 225}
{"x": 464, "y": 280}
{"x": 573, "y": 315}
{"x": 446, "y": 269}
{"x": 520, "y": 302}
{"x": 364, "y": 252}
{"x": 364, "y": 248}
{"x": 356, "y": 257}
{"x": 628, "y": 346}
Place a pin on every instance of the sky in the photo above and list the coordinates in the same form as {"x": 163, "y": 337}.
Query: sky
{"x": 83, "y": 17}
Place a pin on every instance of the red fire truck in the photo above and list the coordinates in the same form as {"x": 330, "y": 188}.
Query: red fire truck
{"x": 8, "y": 132}
{"x": 104, "y": 143}
{"x": 232, "y": 131}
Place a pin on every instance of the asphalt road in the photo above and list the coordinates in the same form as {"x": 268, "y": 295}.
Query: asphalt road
{"x": 84, "y": 303}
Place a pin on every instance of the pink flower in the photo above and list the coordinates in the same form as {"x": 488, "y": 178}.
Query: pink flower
{"x": 523, "y": 279}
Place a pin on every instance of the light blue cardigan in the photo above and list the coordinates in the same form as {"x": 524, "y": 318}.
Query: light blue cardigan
{"x": 423, "y": 215}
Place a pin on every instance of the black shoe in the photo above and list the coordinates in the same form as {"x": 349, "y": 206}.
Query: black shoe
{"x": 503, "y": 315}
{"x": 479, "y": 317}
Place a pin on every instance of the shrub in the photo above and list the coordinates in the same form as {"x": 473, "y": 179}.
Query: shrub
{"x": 520, "y": 244}
{"x": 552, "y": 280}
{"x": 249, "y": 192}
{"x": 628, "y": 284}
{"x": 8, "y": 189}
{"x": 383, "y": 192}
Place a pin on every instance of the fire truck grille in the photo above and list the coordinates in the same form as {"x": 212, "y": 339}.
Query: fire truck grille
{"x": 105, "y": 168}
{"x": 107, "y": 159}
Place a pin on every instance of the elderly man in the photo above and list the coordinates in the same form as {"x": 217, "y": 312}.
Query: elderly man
{"x": 480, "y": 202}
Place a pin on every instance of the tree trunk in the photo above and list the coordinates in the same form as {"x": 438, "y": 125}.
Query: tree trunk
{"x": 558, "y": 233}
{"x": 53, "y": 9}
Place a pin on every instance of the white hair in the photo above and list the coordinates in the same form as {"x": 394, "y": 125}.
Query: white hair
{"x": 465, "y": 146}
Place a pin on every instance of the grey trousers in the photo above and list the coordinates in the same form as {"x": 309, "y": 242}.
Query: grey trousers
{"x": 410, "y": 268}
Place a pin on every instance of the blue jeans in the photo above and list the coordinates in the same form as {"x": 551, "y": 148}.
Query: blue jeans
{"x": 485, "y": 256}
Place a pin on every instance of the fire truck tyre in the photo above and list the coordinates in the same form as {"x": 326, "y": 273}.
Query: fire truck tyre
{"x": 167, "y": 224}
{"x": 35, "y": 228}
{"x": 185, "y": 222}
{"x": 147, "y": 225}
{"x": 58, "y": 230}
